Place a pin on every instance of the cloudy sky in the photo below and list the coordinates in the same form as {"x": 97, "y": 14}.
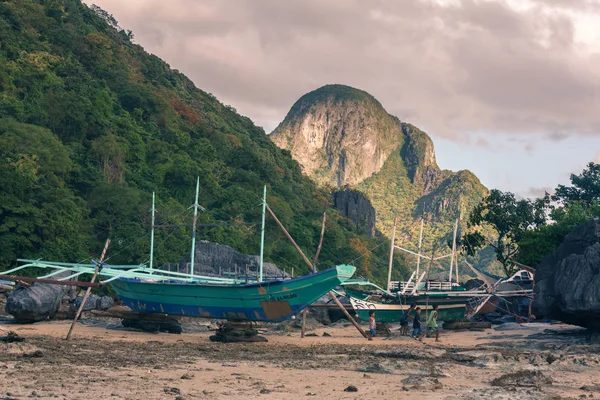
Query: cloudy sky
{"x": 509, "y": 89}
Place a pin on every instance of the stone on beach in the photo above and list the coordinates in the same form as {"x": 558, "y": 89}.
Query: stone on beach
{"x": 34, "y": 303}
{"x": 567, "y": 282}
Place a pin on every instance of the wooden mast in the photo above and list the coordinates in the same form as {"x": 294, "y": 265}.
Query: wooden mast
{"x": 389, "y": 280}
{"x": 453, "y": 254}
{"x": 262, "y": 236}
{"x": 152, "y": 233}
{"x": 419, "y": 250}
{"x": 196, "y": 207}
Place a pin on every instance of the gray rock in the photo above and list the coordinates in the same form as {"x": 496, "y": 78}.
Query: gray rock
{"x": 353, "y": 205}
{"x": 512, "y": 326}
{"x": 421, "y": 382}
{"x": 94, "y": 302}
{"x": 411, "y": 353}
{"x": 321, "y": 315}
{"x": 34, "y": 303}
{"x": 483, "y": 359}
{"x": 375, "y": 368}
{"x": 522, "y": 379}
{"x": 216, "y": 259}
{"x": 567, "y": 282}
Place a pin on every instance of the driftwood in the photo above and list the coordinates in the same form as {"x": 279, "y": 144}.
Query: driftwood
{"x": 10, "y": 336}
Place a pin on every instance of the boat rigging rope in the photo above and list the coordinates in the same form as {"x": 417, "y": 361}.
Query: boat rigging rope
{"x": 384, "y": 241}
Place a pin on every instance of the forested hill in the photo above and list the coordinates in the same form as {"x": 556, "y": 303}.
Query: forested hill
{"x": 91, "y": 124}
{"x": 343, "y": 137}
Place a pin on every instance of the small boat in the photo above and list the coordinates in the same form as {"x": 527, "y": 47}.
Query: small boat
{"x": 389, "y": 307}
{"x": 390, "y": 304}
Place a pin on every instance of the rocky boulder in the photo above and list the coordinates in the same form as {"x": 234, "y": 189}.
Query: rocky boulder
{"x": 34, "y": 303}
{"x": 218, "y": 259}
{"x": 353, "y": 205}
{"x": 94, "y": 302}
{"x": 567, "y": 282}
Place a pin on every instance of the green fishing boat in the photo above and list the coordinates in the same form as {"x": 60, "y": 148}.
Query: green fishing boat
{"x": 149, "y": 290}
{"x": 274, "y": 300}
{"x": 390, "y": 307}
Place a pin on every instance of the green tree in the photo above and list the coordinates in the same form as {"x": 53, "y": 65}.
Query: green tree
{"x": 575, "y": 204}
{"x": 584, "y": 188}
{"x": 509, "y": 218}
{"x": 38, "y": 213}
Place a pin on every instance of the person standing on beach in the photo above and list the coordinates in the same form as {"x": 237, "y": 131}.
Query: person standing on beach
{"x": 404, "y": 320}
{"x": 417, "y": 332}
{"x": 372, "y": 325}
{"x": 432, "y": 325}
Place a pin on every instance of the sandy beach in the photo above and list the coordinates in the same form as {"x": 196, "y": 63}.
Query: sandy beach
{"x": 105, "y": 361}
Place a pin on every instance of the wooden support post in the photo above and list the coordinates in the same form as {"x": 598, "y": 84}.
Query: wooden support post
{"x": 531, "y": 302}
{"x": 89, "y": 289}
{"x": 303, "y": 322}
{"x": 341, "y": 306}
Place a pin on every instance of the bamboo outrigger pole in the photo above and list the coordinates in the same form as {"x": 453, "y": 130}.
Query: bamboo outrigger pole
{"x": 335, "y": 299}
{"x": 89, "y": 289}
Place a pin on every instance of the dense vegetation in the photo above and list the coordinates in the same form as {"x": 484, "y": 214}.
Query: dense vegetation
{"x": 528, "y": 230}
{"x": 91, "y": 125}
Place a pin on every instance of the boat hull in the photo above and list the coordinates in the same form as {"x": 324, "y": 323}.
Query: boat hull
{"x": 450, "y": 309}
{"x": 270, "y": 301}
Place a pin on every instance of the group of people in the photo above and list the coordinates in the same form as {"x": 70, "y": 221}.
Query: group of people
{"x": 417, "y": 331}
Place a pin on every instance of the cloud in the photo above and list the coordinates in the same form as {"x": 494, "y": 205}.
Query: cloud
{"x": 597, "y": 158}
{"x": 450, "y": 67}
{"x": 538, "y": 192}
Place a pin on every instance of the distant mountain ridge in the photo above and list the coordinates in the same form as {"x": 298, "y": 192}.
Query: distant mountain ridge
{"x": 343, "y": 137}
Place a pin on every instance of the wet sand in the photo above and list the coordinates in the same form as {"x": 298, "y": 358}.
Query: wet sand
{"x": 105, "y": 361}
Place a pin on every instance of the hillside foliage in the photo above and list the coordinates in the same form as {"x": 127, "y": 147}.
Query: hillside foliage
{"x": 91, "y": 125}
